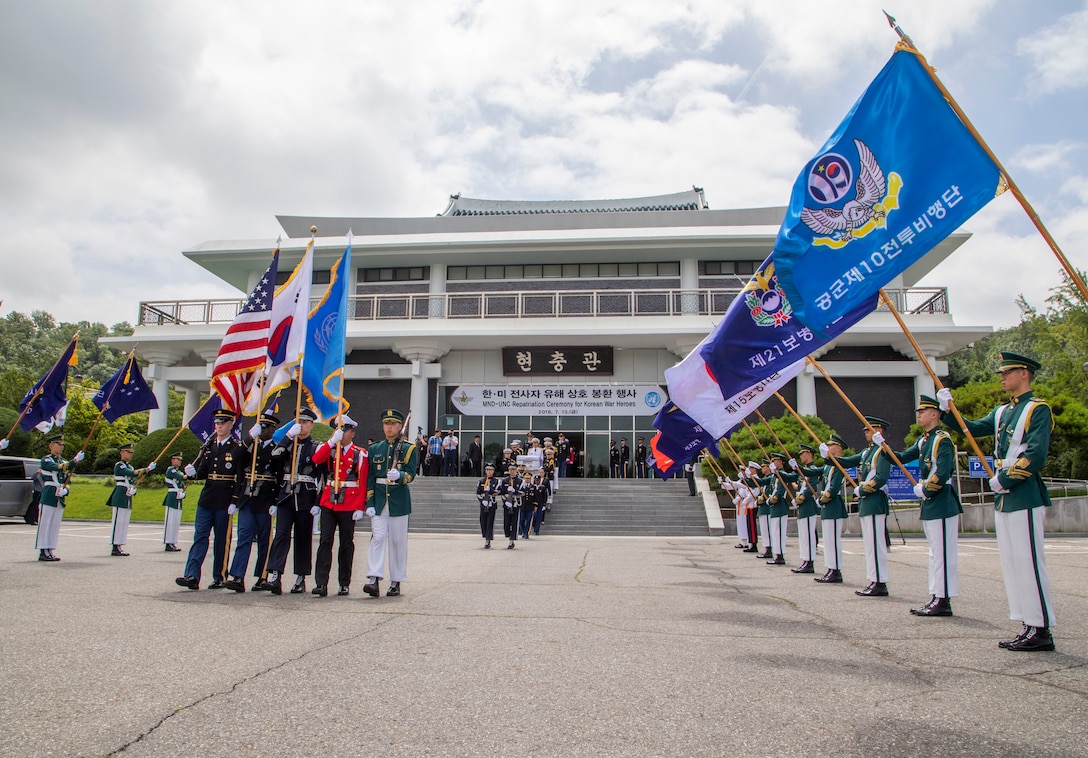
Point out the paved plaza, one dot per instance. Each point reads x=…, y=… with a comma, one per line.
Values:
x=565, y=646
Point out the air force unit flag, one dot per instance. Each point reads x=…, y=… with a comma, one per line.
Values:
x=900, y=174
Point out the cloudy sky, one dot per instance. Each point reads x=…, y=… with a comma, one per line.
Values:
x=131, y=131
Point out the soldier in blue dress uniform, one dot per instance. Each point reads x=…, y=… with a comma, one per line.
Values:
x=258, y=485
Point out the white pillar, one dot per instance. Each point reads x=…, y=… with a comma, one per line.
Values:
x=689, y=285
x=923, y=382
x=436, y=306
x=420, y=353
x=806, y=392
x=156, y=418
x=192, y=404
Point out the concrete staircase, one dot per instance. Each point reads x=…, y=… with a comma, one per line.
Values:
x=647, y=507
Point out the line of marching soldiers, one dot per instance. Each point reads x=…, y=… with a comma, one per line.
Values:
x=764, y=494
x=525, y=498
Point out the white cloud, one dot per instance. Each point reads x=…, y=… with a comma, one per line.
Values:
x=1059, y=53
x=1046, y=158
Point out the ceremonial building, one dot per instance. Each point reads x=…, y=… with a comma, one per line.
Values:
x=500, y=317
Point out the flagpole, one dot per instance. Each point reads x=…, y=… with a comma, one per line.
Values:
x=815, y=437
x=886, y=447
x=184, y=426
x=260, y=410
x=301, y=362
x=777, y=439
x=937, y=382
x=719, y=473
x=767, y=455
x=105, y=405
x=906, y=43
x=34, y=397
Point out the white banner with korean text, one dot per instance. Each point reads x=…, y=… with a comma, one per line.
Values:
x=559, y=399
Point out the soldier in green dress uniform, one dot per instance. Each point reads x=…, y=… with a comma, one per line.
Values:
x=810, y=478
x=175, y=493
x=779, y=501
x=124, y=478
x=832, y=510
x=55, y=472
x=940, y=506
x=393, y=465
x=1021, y=429
x=765, y=482
x=874, y=467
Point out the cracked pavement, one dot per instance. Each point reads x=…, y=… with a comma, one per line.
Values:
x=563, y=646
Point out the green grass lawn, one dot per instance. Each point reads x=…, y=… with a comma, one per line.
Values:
x=87, y=500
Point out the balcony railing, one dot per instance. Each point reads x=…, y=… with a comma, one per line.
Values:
x=522, y=304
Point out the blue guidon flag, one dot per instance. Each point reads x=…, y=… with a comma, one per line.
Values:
x=900, y=174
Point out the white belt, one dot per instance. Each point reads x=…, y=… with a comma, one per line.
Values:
x=121, y=480
x=384, y=481
x=300, y=478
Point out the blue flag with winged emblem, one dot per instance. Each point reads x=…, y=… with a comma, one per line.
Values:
x=125, y=392
x=900, y=174
x=326, y=344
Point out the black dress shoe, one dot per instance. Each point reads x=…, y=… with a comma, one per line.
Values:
x=510, y=546
x=117, y=551
x=779, y=560
x=767, y=554
x=275, y=587
x=941, y=606
x=235, y=584
x=751, y=549
x=53, y=555
x=217, y=585
x=919, y=611
x=320, y=590
x=1017, y=638
x=487, y=545
x=1038, y=639
x=300, y=586
x=190, y=582
x=343, y=590
x=371, y=588
x=394, y=589
x=876, y=589
x=44, y=556
x=262, y=586
x=806, y=567
x=833, y=576
x=740, y=545
x=173, y=549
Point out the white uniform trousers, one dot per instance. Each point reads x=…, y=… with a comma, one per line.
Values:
x=171, y=526
x=778, y=535
x=392, y=532
x=49, y=517
x=806, y=537
x=1023, y=564
x=943, y=535
x=121, y=517
x=833, y=543
x=742, y=526
x=874, y=534
x=764, y=531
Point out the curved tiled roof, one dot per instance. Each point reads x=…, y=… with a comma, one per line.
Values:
x=691, y=200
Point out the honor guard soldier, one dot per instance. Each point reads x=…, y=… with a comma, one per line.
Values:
x=625, y=457
x=614, y=461
x=765, y=481
x=343, y=502
x=874, y=467
x=487, y=492
x=175, y=493
x=832, y=510
x=124, y=479
x=810, y=478
x=562, y=453
x=258, y=485
x=641, y=453
x=511, y=505
x=56, y=473
x=1021, y=428
x=748, y=491
x=393, y=464
x=940, y=506
x=294, y=522
x=218, y=463
x=527, y=498
x=779, y=502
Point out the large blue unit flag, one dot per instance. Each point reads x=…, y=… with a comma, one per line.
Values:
x=326, y=345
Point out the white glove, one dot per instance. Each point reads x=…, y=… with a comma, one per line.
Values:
x=77, y=459
x=824, y=452
x=794, y=502
x=944, y=398
x=130, y=491
x=721, y=482
x=190, y=470
x=729, y=485
x=509, y=489
x=272, y=510
x=62, y=491
x=793, y=463
x=150, y=466
x=857, y=491
x=996, y=487
x=181, y=495
x=294, y=431
x=4, y=444
x=357, y=515
x=918, y=493
x=392, y=475
x=878, y=439
x=232, y=509
x=371, y=512
x=336, y=437
x=255, y=431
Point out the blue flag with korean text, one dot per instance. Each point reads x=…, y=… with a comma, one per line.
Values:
x=326, y=345
x=681, y=439
x=898, y=175
x=125, y=392
x=756, y=349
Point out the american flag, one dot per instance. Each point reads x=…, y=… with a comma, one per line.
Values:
x=245, y=347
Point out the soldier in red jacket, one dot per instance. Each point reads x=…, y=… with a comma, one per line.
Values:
x=343, y=502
